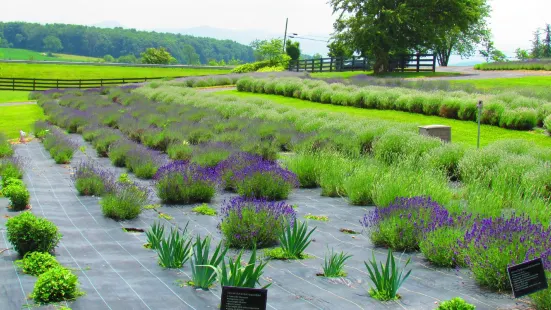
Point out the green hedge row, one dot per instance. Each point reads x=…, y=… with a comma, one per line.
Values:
x=544, y=65
x=512, y=112
x=11, y=174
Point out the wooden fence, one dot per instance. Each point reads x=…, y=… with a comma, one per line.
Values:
x=25, y=84
x=413, y=63
x=338, y=64
x=404, y=63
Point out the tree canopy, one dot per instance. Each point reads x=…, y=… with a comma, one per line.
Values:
x=158, y=56
x=293, y=49
x=52, y=44
x=383, y=28
x=117, y=42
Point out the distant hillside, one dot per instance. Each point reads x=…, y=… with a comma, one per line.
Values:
x=98, y=42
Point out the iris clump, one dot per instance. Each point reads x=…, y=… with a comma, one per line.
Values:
x=185, y=182
x=90, y=180
x=264, y=179
x=249, y=223
x=401, y=225
x=493, y=244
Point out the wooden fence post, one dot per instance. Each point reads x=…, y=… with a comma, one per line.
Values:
x=313, y=62
x=34, y=84
x=331, y=65
x=433, y=62
x=418, y=60
x=12, y=84
x=57, y=84
x=79, y=84
x=321, y=64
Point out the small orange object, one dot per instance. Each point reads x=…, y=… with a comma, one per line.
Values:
x=22, y=135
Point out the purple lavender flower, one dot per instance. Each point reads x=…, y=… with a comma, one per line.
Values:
x=254, y=222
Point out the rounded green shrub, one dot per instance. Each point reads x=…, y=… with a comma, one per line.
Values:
x=359, y=185
x=547, y=123
x=446, y=158
x=522, y=119
x=467, y=111
x=90, y=186
x=179, y=151
x=450, y=107
x=456, y=303
x=56, y=284
x=29, y=233
x=18, y=196
x=491, y=112
x=37, y=263
x=304, y=167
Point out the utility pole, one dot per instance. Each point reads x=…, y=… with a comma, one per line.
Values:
x=285, y=36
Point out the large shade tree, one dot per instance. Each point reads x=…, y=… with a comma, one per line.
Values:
x=382, y=28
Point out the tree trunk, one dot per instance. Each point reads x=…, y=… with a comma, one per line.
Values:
x=381, y=65
x=443, y=57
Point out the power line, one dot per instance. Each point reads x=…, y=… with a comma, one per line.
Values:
x=303, y=38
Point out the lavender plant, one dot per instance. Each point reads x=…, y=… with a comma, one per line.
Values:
x=264, y=179
x=185, y=182
x=143, y=162
x=91, y=180
x=124, y=203
x=401, y=225
x=60, y=146
x=493, y=244
x=249, y=223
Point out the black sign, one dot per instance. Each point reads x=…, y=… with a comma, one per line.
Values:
x=241, y=298
x=527, y=278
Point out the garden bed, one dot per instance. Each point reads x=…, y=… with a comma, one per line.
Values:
x=116, y=271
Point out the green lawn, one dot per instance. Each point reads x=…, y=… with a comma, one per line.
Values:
x=13, y=96
x=49, y=71
x=463, y=132
x=19, y=117
x=350, y=74
x=21, y=54
x=527, y=82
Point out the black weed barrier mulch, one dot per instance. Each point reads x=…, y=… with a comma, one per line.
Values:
x=117, y=272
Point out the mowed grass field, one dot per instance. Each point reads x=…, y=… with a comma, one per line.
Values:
x=75, y=72
x=18, y=117
x=526, y=82
x=351, y=74
x=13, y=96
x=463, y=132
x=21, y=54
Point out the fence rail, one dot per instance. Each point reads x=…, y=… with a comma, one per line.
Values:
x=337, y=64
x=413, y=63
x=403, y=63
x=27, y=84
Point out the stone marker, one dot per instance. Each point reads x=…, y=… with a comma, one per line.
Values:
x=440, y=131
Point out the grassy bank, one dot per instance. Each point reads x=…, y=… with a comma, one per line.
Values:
x=19, y=117
x=49, y=71
x=463, y=132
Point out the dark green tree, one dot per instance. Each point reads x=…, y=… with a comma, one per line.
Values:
x=159, y=56
x=521, y=54
x=490, y=53
x=52, y=44
x=382, y=28
x=547, y=41
x=338, y=48
x=537, y=50
x=108, y=58
x=293, y=49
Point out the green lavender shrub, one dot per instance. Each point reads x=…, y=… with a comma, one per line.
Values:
x=36, y=263
x=55, y=285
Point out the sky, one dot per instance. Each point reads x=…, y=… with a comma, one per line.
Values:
x=512, y=22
